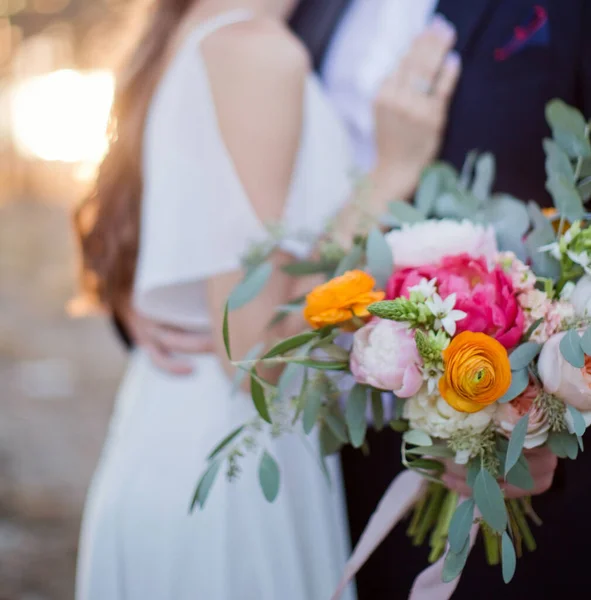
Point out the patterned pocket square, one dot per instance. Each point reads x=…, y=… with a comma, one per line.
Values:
x=534, y=32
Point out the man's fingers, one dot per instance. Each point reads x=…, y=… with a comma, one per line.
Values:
x=448, y=77
x=166, y=362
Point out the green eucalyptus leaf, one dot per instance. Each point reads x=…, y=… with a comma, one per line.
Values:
x=490, y=501
x=427, y=191
x=355, y=414
x=472, y=473
x=250, y=287
x=484, y=176
x=336, y=423
x=454, y=563
x=571, y=350
x=291, y=343
x=586, y=342
x=329, y=443
x=205, y=484
x=377, y=409
x=543, y=263
x=319, y=365
x=519, y=381
x=350, y=261
x=306, y=267
x=467, y=170
x=379, y=257
x=581, y=444
x=520, y=476
x=563, y=444
x=516, y=443
x=401, y=212
x=258, y=397
x=522, y=356
x=226, y=332
x=269, y=477
x=557, y=161
x=242, y=371
x=578, y=422
x=566, y=197
x=315, y=392
x=460, y=525
x=508, y=556
x=416, y=437
x=227, y=440
x=435, y=450
x=568, y=128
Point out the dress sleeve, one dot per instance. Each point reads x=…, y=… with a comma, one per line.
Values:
x=196, y=219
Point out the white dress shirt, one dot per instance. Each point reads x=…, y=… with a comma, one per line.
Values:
x=368, y=45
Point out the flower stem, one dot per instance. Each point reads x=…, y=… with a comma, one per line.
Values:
x=529, y=510
x=522, y=524
x=418, y=512
x=491, y=544
x=436, y=493
x=439, y=534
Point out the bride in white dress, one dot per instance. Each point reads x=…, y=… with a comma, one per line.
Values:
x=220, y=128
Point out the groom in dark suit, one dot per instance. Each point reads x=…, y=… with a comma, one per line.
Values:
x=516, y=55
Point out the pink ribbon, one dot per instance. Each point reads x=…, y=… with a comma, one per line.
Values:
x=400, y=497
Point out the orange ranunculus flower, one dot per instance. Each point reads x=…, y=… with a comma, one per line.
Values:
x=337, y=301
x=550, y=213
x=477, y=372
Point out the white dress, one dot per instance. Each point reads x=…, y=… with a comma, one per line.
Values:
x=138, y=540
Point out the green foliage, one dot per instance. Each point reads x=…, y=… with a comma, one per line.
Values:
x=490, y=501
x=516, y=443
x=355, y=414
x=315, y=392
x=571, y=349
x=404, y=310
x=205, y=484
x=250, y=287
x=417, y=438
x=454, y=563
x=379, y=257
x=563, y=444
x=519, y=381
x=520, y=476
x=509, y=558
x=258, y=397
x=377, y=409
x=269, y=477
x=522, y=356
x=569, y=129
x=578, y=421
x=350, y=261
x=291, y=343
x=461, y=523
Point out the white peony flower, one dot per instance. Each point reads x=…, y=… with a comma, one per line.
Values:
x=432, y=414
x=427, y=242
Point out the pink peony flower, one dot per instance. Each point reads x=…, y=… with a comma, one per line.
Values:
x=560, y=378
x=508, y=414
x=429, y=241
x=487, y=297
x=385, y=356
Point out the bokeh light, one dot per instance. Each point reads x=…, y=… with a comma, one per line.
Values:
x=63, y=116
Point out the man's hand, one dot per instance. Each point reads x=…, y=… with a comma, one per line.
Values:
x=542, y=465
x=163, y=343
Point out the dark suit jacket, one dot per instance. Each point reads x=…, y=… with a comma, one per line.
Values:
x=498, y=107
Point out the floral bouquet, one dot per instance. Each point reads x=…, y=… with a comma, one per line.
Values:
x=469, y=325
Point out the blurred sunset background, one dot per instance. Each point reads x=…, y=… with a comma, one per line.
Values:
x=58, y=375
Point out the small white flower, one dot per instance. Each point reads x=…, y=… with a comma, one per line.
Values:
x=567, y=290
x=425, y=287
x=553, y=249
x=445, y=315
x=582, y=259
x=462, y=457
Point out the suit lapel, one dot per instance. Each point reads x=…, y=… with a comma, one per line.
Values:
x=315, y=24
x=467, y=16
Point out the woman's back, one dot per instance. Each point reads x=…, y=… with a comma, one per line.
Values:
x=200, y=211
x=201, y=181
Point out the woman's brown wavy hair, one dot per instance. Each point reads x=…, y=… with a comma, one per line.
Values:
x=107, y=221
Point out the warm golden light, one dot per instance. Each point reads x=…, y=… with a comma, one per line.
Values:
x=63, y=115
